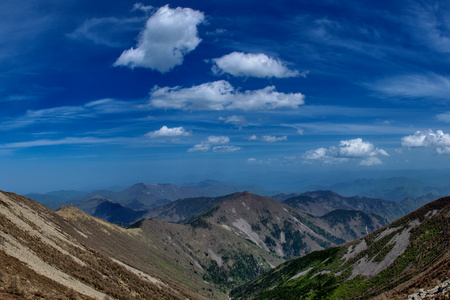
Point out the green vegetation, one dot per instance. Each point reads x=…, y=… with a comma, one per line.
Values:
x=324, y=274
x=237, y=268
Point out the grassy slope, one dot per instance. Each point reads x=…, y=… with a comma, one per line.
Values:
x=327, y=273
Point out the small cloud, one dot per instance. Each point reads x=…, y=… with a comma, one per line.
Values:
x=168, y=35
x=221, y=95
x=238, y=121
x=346, y=150
x=438, y=140
x=226, y=148
x=267, y=138
x=300, y=131
x=142, y=7
x=168, y=132
x=273, y=139
x=216, y=143
x=217, y=32
x=444, y=117
x=253, y=65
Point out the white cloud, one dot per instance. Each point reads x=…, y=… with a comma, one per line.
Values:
x=357, y=148
x=68, y=113
x=238, y=121
x=323, y=154
x=168, y=132
x=142, y=7
x=430, y=25
x=168, y=35
x=267, y=138
x=444, y=117
x=252, y=65
x=214, y=140
x=226, y=148
x=348, y=149
x=414, y=86
x=438, y=140
x=220, y=95
x=216, y=143
x=371, y=161
x=64, y=141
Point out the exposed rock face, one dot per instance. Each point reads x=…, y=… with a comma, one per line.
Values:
x=42, y=255
x=441, y=291
x=393, y=262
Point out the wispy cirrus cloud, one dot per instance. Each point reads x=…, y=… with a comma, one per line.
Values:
x=169, y=34
x=64, y=141
x=413, y=86
x=253, y=65
x=267, y=138
x=68, y=113
x=108, y=31
x=238, y=121
x=430, y=25
x=216, y=144
x=346, y=150
x=221, y=95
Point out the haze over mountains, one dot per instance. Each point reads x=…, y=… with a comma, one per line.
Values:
x=207, y=246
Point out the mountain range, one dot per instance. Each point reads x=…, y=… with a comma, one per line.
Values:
x=409, y=254
x=319, y=203
x=205, y=247
x=392, y=188
x=238, y=237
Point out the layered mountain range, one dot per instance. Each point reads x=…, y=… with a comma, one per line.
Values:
x=205, y=247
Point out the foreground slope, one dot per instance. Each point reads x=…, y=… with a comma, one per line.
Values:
x=140, y=249
x=410, y=253
x=42, y=256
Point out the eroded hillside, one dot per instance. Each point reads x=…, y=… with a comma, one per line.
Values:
x=43, y=256
x=410, y=253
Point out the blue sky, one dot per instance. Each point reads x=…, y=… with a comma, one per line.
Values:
x=116, y=92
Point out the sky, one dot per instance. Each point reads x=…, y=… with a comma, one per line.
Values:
x=103, y=93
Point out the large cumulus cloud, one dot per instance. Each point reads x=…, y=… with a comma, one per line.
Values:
x=169, y=34
x=221, y=95
x=346, y=150
x=438, y=140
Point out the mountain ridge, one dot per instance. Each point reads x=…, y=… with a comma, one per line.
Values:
x=391, y=261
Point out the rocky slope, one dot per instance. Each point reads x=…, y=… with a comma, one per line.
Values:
x=394, y=261
x=44, y=256
x=271, y=225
